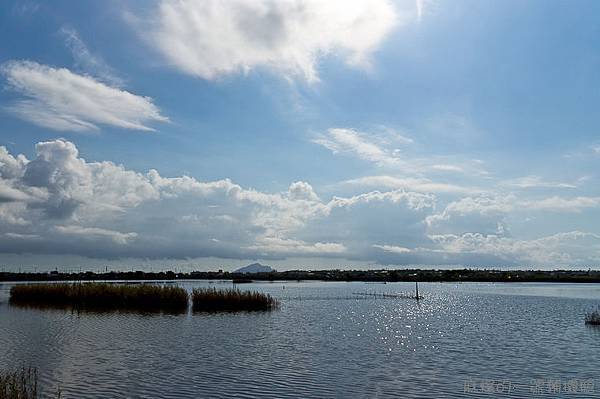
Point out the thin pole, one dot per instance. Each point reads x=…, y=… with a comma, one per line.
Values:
x=417, y=289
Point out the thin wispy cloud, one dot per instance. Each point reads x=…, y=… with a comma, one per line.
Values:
x=419, y=6
x=358, y=144
x=86, y=61
x=424, y=8
x=59, y=99
x=391, y=151
x=25, y=8
x=392, y=248
x=422, y=185
x=533, y=181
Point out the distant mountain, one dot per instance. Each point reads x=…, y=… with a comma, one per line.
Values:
x=255, y=268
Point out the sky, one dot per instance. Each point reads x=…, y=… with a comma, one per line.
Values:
x=304, y=134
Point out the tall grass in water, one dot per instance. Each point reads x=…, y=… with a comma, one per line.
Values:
x=20, y=384
x=211, y=300
x=593, y=317
x=101, y=296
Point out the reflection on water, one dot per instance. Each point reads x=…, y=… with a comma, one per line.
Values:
x=322, y=343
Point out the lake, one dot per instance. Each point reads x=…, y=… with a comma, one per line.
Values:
x=470, y=339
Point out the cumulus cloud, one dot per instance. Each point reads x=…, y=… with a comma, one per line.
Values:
x=573, y=247
x=69, y=204
x=374, y=217
x=210, y=38
x=78, y=203
x=488, y=214
x=9, y=194
x=60, y=203
x=11, y=167
x=503, y=204
x=302, y=191
x=59, y=99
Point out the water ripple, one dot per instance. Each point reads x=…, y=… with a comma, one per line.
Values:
x=323, y=343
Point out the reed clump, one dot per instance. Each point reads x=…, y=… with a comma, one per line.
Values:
x=101, y=296
x=21, y=384
x=593, y=317
x=232, y=299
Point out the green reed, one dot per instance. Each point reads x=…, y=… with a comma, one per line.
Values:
x=211, y=300
x=21, y=384
x=101, y=296
x=593, y=317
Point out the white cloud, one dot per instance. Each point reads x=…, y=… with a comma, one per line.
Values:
x=421, y=185
x=392, y=248
x=302, y=191
x=415, y=201
x=22, y=236
x=425, y=7
x=500, y=205
x=11, y=167
x=562, y=249
x=13, y=214
x=58, y=194
x=289, y=247
x=481, y=214
x=11, y=194
x=79, y=203
x=62, y=100
x=535, y=182
x=59, y=203
x=419, y=6
x=447, y=168
x=86, y=60
x=488, y=215
x=559, y=204
x=478, y=205
x=94, y=232
x=358, y=144
x=211, y=38
x=389, y=150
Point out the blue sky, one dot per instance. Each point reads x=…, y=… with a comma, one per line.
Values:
x=299, y=133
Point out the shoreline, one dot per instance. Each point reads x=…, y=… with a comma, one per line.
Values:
x=377, y=276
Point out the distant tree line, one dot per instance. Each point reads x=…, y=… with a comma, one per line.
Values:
x=450, y=275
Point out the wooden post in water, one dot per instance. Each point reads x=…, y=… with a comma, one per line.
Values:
x=417, y=289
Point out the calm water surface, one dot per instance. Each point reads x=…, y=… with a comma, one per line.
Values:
x=324, y=342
